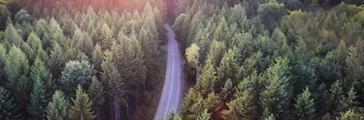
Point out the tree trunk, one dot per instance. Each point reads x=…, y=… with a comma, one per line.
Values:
x=116, y=111
x=127, y=109
x=98, y=112
x=136, y=98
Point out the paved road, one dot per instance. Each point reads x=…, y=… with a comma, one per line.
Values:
x=172, y=84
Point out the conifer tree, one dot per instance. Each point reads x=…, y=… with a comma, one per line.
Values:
x=7, y=105
x=3, y=55
x=105, y=37
x=97, y=94
x=38, y=71
x=16, y=70
x=36, y=108
x=276, y=96
x=58, y=109
x=97, y=57
x=227, y=69
x=82, y=106
x=12, y=36
x=304, y=107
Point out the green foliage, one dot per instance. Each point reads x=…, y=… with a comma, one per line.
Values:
x=16, y=70
x=227, y=70
x=2, y=64
x=349, y=115
x=38, y=102
x=96, y=91
x=8, y=108
x=38, y=71
x=271, y=14
x=74, y=73
x=82, y=106
x=12, y=36
x=275, y=97
x=304, y=107
x=58, y=109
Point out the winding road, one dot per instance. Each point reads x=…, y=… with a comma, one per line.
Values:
x=171, y=94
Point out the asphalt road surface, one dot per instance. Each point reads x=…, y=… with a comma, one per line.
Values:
x=171, y=94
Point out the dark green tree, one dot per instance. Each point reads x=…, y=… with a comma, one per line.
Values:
x=38, y=102
x=58, y=109
x=304, y=107
x=82, y=106
x=227, y=69
x=270, y=14
x=275, y=98
x=3, y=55
x=74, y=73
x=97, y=94
x=8, y=108
x=16, y=70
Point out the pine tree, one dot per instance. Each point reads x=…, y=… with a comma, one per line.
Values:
x=277, y=94
x=112, y=78
x=226, y=70
x=57, y=60
x=241, y=108
x=97, y=94
x=58, y=109
x=82, y=106
x=304, y=107
x=149, y=43
x=97, y=57
x=8, y=108
x=336, y=93
x=12, y=36
x=38, y=71
x=2, y=64
x=36, y=108
x=204, y=115
x=105, y=37
x=349, y=101
x=349, y=115
x=127, y=53
x=187, y=110
x=207, y=78
x=16, y=70
x=34, y=41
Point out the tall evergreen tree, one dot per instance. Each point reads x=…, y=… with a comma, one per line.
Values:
x=304, y=107
x=16, y=70
x=3, y=55
x=8, y=108
x=82, y=106
x=38, y=71
x=276, y=96
x=97, y=94
x=105, y=37
x=227, y=70
x=38, y=102
x=58, y=109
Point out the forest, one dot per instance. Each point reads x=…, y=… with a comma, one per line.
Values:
x=77, y=60
x=245, y=59
x=272, y=59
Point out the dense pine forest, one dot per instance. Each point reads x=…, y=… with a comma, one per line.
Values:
x=245, y=59
x=272, y=59
x=78, y=59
